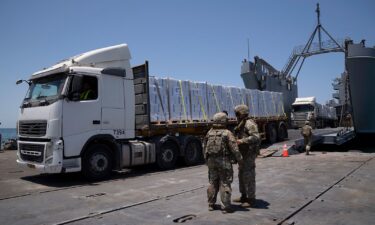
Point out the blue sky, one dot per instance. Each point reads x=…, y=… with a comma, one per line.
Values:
x=195, y=40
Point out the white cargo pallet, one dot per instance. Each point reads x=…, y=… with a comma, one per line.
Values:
x=179, y=100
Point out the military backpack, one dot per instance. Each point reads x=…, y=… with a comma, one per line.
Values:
x=215, y=142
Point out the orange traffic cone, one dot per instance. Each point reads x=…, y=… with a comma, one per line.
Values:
x=285, y=151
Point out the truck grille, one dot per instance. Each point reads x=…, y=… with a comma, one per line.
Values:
x=33, y=128
x=300, y=116
x=32, y=152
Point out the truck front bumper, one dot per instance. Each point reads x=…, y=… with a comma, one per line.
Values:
x=45, y=157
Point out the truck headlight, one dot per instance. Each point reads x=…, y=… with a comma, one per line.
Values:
x=308, y=116
x=49, y=150
x=51, y=147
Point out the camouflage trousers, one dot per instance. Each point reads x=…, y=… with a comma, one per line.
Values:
x=307, y=143
x=220, y=176
x=246, y=177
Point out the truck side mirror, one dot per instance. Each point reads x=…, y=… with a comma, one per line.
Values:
x=20, y=81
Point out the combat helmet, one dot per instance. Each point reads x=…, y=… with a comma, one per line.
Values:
x=307, y=122
x=241, y=110
x=220, y=118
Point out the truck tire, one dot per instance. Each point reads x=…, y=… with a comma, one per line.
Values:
x=193, y=152
x=271, y=133
x=167, y=156
x=282, y=133
x=97, y=162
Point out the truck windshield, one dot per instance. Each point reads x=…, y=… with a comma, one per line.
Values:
x=302, y=108
x=46, y=89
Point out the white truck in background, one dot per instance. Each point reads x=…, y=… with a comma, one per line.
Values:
x=307, y=109
x=62, y=130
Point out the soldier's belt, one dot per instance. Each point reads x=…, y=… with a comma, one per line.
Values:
x=218, y=155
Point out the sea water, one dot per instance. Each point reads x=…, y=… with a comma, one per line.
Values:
x=7, y=133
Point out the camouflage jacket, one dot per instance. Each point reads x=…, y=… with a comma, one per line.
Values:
x=228, y=148
x=247, y=133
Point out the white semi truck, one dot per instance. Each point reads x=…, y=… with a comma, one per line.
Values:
x=91, y=113
x=307, y=109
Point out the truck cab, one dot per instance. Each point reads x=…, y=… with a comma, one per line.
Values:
x=307, y=109
x=58, y=120
x=303, y=109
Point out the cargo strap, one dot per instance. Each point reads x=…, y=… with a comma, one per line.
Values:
x=201, y=104
x=264, y=104
x=161, y=102
x=282, y=107
x=274, y=103
x=216, y=101
x=231, y=98
x=182, y=99
x=242, y=99
x=252, y=103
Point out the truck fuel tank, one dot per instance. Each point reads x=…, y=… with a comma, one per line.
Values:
x=137, y=153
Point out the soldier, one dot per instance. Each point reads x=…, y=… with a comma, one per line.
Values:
x=348, y=121
x=248, y=140
x=219, y=148
x=306, y=132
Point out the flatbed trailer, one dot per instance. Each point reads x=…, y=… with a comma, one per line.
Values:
x=271, y=129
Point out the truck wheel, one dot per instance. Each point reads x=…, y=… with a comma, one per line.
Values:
x=282, y=133
x=97, y=162
x=167, y=156
x=193, y=152
x=271, y=133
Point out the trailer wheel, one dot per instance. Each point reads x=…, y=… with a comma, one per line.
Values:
x=271, y=133
x=167, y=156
x=282, y=133
x=97, y=162
x=193, y=152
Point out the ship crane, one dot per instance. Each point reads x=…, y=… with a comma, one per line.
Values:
x=300, y=53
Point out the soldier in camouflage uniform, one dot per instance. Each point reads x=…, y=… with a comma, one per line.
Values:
x=306, y=132
x=248, y=140
x=219, y=149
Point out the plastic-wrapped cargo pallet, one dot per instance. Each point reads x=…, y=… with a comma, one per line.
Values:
x=176, y=100
x=198, y=93
x=158, y=89
x=179, y=100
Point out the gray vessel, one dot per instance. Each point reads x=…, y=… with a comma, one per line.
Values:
x=360, y=64
x=262, y=76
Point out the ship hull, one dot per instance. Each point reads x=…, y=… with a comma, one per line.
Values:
x=360, y=64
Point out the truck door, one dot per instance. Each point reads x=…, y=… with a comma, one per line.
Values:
x=81, y=113
x=113, y=105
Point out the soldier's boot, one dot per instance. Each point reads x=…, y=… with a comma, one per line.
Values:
x=308, y=150
x=211, y=207
x=227, y=209
x=249, y=203
x=240, y=199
